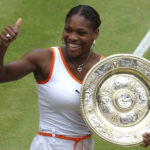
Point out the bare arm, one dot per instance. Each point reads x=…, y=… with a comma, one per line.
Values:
x=18, y=69
x=5, y=41
x=34, y=61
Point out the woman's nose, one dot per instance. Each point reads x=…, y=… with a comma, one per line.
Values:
x=73, y=36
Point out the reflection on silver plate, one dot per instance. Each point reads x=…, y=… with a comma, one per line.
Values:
x=115, y=99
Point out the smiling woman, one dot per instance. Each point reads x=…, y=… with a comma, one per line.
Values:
x=80, y=32
x=79, y=35
x=59, y=72
x=58, y=79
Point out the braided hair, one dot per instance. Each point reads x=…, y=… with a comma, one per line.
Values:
x=88, y=12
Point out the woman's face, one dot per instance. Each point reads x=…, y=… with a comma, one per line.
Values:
x=78, y=35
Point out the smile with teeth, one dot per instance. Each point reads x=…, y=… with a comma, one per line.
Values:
x=74, y=45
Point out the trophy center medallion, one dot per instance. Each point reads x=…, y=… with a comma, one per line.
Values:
x=123, y=99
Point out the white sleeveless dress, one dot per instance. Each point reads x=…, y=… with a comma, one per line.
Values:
x=59, y=109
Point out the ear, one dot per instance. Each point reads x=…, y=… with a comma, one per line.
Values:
x=96, y=33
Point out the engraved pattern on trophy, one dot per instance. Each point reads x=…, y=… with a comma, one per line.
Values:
x=126, y=96
x=115, y=99
x=88, y=100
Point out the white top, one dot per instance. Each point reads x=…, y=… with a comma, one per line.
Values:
x=59, y=106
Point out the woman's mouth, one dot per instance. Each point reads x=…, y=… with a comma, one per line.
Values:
x=74, y=47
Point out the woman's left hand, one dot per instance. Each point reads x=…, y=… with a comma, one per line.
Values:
x=146, y=139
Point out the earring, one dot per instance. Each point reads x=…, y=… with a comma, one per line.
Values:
x=63, y=42
x=93, y=44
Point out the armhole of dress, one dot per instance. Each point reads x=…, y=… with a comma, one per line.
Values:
x=51, y=68
x=101, y=57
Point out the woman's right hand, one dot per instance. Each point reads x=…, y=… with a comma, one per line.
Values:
x=9, y=34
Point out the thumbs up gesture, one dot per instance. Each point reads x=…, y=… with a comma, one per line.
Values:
x=9, y=34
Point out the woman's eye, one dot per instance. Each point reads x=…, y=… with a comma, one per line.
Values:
x=82, y=33
x=67, y=30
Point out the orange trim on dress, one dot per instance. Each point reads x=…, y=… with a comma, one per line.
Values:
x=75, y=139
x=102, y=57
x=51, y=68
x=65, y=64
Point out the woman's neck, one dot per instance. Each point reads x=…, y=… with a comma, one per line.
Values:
x=78, y=60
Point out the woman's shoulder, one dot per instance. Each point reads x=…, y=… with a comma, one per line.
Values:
x=40, y=50
x=98, y=56
x=38, y=54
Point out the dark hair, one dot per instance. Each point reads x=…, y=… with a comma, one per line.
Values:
x=86, y=11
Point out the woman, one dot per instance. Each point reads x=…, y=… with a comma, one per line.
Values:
x=59, y=72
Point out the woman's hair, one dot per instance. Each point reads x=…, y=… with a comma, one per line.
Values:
x=88, y=12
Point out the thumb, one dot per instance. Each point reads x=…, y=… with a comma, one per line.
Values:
x=18, y=23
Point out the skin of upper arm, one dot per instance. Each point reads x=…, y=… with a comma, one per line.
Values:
x=15, y=70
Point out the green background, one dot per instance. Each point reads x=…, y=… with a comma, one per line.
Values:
x=124, y=24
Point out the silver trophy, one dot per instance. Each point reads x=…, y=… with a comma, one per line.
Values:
x=115, y=99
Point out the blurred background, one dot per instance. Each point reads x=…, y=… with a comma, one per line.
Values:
x=124, y=25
